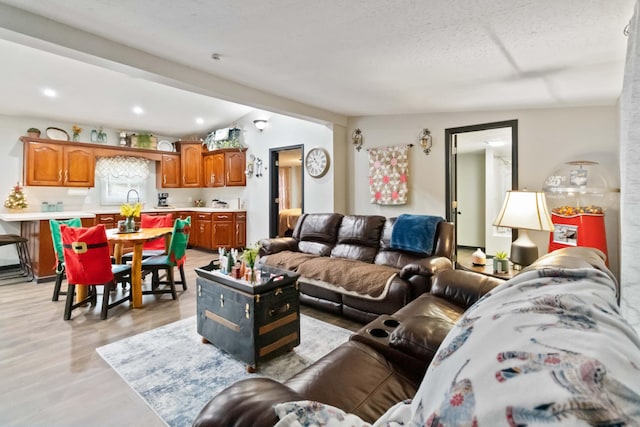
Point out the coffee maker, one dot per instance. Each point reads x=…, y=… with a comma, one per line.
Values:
x=162, y=200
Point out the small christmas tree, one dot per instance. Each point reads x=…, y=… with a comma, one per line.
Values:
x=16, y=199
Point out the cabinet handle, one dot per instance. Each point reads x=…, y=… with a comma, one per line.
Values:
x=60, y=175
x=222, y=217
x=66, y=176
x=164, y=179
x=227, y=176
x=183, y=180
x=211, y=178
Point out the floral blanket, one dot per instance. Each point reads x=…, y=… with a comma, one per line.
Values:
x=547, y=348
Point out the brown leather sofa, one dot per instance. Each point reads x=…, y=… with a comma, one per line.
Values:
x=382, y=364
x=357, y=241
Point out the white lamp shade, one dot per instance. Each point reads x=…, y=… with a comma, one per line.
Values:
x=524, y=209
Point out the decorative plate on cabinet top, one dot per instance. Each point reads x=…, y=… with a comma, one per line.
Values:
x=165, y=146
x=57, y=133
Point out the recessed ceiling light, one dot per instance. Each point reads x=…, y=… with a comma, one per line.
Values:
x=199, y=120
x=138, y=110
x=50, y=93
x=215, y=56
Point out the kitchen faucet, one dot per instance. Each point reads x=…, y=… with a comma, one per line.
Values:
x=137, y=195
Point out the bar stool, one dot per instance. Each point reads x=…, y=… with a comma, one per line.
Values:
x=25, y=270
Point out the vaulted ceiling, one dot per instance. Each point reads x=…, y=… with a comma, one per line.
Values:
x=324, y=59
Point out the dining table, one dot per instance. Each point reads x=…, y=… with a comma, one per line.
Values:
x=138, y=239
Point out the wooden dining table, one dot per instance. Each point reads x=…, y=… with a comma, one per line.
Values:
x=138, y=239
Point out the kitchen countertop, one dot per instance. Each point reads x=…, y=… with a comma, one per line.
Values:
x=91, y=213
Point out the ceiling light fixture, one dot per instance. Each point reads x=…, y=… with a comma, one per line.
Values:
x=137, y=110
x=199, y=120
x=495, y=143
x=260, y=124
x=49, y=93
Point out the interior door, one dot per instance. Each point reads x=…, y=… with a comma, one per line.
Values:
x=285, y=159
x=481, y=166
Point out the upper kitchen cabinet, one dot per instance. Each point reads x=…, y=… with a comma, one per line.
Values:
x=60, y=165
x=168, y=171
x=213, y=169
x=224, y=167
x=191, y=163
x=234, y=168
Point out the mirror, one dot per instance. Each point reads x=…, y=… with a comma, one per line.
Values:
x=482, y=164
x=286, y=179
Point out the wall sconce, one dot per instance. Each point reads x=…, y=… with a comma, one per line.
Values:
x=425, y=141
x=356, y=136
x=260, y=124
x=249, y=170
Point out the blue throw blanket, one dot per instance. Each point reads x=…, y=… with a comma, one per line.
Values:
x=414, y=233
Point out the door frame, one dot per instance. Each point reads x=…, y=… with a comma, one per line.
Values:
x=274, y=187
x=451, y=166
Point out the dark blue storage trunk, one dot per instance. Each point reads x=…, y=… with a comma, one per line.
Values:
x=250, y=322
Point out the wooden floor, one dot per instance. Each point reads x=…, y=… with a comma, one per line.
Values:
x=50, y=373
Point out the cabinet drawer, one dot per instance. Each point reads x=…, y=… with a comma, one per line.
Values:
x=241, y=216
x=204, y=216
x=227, y=216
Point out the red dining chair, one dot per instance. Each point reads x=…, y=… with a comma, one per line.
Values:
x=153, y=247
x=88, y=263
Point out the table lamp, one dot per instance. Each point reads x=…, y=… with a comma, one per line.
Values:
x=524, y=210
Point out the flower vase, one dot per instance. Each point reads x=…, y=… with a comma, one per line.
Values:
x=76, y=137
x=130, y=224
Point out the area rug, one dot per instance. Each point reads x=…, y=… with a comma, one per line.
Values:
x=176, y=374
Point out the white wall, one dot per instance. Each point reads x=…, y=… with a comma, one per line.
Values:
x=546, y=139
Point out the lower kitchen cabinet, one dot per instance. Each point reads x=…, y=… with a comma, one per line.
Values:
x=223, y=230
x=240, y=225
x=201, y=230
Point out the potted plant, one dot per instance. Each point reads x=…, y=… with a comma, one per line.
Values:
x=144, y=140
x=33, y=132
x=500, y=262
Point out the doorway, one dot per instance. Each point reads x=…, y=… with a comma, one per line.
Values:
x=286, y=189
x=481, y=165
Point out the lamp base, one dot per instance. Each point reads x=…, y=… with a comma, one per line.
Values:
x=523, y=250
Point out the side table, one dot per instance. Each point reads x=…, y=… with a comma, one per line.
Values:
x=487, y=269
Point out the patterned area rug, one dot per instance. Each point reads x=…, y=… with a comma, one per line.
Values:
x=176, y=374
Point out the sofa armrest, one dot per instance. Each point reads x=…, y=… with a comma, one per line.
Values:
x=248, y=402
x=278, y=244
x=462, y=288
x=425, y=267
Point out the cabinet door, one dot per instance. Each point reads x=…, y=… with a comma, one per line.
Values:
x=168, y=172
x=235, y=167
x=79, y=167
x=240, y=236
x=44, y=164
x=223, y=230
x=191, y=164
x=213, y=170
x=203, y=231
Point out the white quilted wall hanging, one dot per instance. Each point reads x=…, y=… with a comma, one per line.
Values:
x=388, y=175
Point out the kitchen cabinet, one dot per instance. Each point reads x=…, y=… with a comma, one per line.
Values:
x=240, y=226
x=213, y=169
x=51, y=164
x=202, y=230
x=234, y=168
x=223, y=230
x=43, y=256
x=224, y=167
x=168, y=171
x=191, y=163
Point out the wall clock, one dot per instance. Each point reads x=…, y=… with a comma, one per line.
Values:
x=317, y=162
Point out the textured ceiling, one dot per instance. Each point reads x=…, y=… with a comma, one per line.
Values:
x=369, y=57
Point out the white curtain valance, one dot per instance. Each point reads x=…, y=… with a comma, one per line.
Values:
x=122, y=167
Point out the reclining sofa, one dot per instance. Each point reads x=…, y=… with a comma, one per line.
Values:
x=351, y=265
x=546, y=347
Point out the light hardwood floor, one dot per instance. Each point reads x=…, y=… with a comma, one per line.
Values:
x=50, y=373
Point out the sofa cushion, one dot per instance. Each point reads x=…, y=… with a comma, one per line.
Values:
x=359, y=237
x=286, y=260
x=462, y=288
x=420, y=336
x=318, y=232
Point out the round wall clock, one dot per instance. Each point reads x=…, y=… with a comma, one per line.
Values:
x=317, y=162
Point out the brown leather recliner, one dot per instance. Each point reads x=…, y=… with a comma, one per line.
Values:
x=382, y=364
